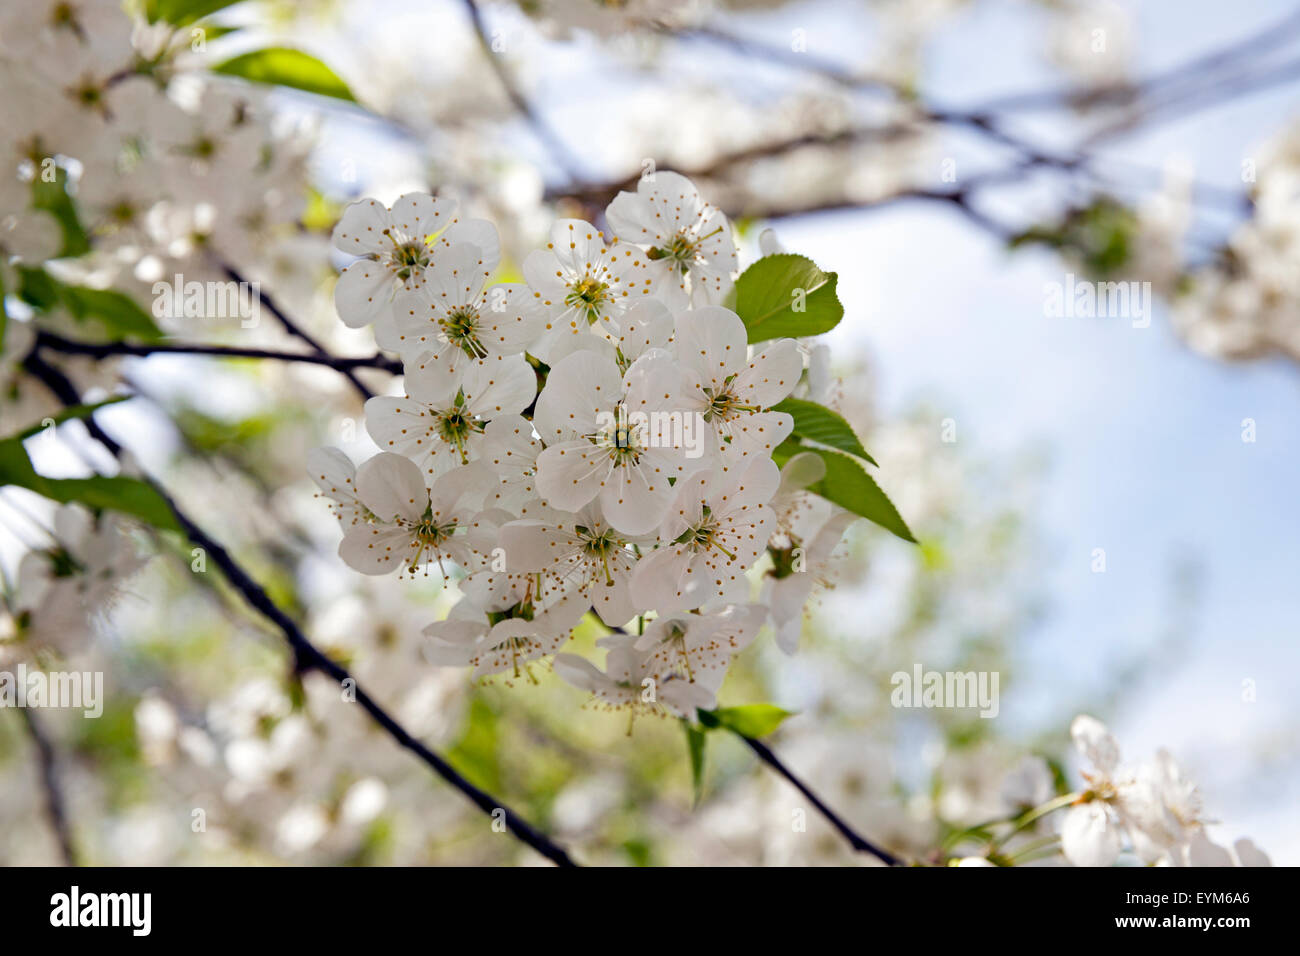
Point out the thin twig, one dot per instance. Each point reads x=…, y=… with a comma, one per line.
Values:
x=540, y=127
x=765, y=754
x=856, y=840
x=297, y=331
x=55, y=805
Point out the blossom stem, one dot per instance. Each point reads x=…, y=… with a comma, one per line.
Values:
x=307, y=656
x=1030, y=817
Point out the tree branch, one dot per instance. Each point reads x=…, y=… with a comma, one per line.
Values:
x=307, y=656
x=856, y=840
x=55, y=806
x=297, y=332
x=57, y=343
x=540, y=127
x=765, y=754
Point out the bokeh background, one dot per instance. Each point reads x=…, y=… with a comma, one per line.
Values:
x=928, y=152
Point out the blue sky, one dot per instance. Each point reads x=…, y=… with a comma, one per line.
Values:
x=1148, y=460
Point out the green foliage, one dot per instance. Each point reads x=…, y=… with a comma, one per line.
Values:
x=819, y=424
x=786, y=296
x=183, y=12
x=129, y=496
x=120, y=316
x=477, y=753
x=67, y=415
x=1100, y=234
x=53, y=198
x=284, y=66
x=848, y=485
x=748, y=720
x=695, y=743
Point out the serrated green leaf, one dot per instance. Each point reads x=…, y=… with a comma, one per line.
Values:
x=848, y=485
x=786, y=295
x=69, y=413
x=283, y=66
x=695, y=743
x=129, y=496
x=748, y=720
x=818, y=423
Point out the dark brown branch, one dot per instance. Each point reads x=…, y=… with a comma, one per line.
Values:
x=856, y=840
x=55, y=805
x=57, y=343
x=299, y=333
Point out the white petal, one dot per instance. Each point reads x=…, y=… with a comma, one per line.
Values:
x=771, y=375
x=1094, y=741
x=360, y=231
x=392, y=486
x=570, y=474
x=1088, y=836
x=363, y=291
x=712, y=343
x=374, y=549
x=499, y=385
x=577, y=390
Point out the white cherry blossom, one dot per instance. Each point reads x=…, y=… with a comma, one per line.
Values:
x=453, y=311
x=440, y=425
x=411, y=525
x=604, y=442
x=732, y=392
x=583, y=287
x=688, y=241
x=395, y=247
x=713, y=533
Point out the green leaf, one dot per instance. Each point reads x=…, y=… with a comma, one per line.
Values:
x=848, y=485
x=695, y=741
x=130, y=496
x=282, y=66
x=120, y=315
x=53, y=198
x=69, y=413
x=748, y=720
x=786, y=296
x=182, y=12
x=820, y=424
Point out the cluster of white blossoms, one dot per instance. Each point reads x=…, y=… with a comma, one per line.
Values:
x=1153, y=809
x=598, y=438
x=170, y=169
